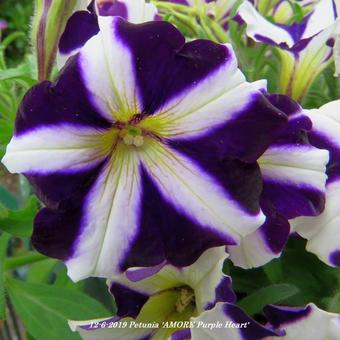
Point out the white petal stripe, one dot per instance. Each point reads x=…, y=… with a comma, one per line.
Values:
x=55, y=148
x=295, y=165
x=111, y=218
x=196, y=194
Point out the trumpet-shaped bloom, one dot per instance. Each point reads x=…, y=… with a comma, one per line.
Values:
x=308, y=322
x=143, y=150
x=305, y=47
x=83, y=24
x=323, y=232
x=191, y=296
x=294, y=179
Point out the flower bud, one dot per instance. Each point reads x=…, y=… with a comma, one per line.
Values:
x=48, y=24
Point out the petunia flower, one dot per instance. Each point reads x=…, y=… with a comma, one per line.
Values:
x=143, y=150
x=308, y=322
x=83, y=24
x=305, y=47
x=294, y=182
x=177, y=302
x=323, y=232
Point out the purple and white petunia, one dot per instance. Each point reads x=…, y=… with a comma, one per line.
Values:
x=154, y=161
x=83, y=24
x=323, y=232
x=308, y=322
x=176, y=303
x=305, y=47
x=294, y=181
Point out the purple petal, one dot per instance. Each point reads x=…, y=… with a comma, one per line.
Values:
x=179, y=65
x=64, y=101
x=79, y=29
x=167, y=235
x=285, y=185
x=113, y=8
x=129, y=302
x=278, y=316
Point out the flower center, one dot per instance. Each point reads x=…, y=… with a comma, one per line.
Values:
x=132, y=135
x=185, y=298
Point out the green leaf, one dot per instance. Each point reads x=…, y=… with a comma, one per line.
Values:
x=39, y=272
x=45, y=309
x=20, y=222
x=333, y=304
x=276, y=293
x=273, y=270
x=7, y=199
x=3, y=250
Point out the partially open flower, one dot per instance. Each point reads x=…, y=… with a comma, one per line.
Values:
x=177, y=303
x=305, y=47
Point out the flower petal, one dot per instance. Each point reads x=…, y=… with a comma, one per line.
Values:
x=135, y=11
x=84, y=24
x=112, y=204
x=323, y=232
x=65, y=101
x=236, y=325
x=308, y=322
x=260, y=29
x=322, y=16
x=297, y=172
x=197, y=194
x=205, y=277
x=81, y=26
x=294, y=171
x=116, y=92
x=60, y=148
x=264, y=244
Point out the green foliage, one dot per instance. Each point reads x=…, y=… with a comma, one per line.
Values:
x=20, y=222
x=18, y=16
x=45, y=309
x=4, y=238
x=277, y=293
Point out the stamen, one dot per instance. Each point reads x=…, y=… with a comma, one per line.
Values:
x=186, y=296
x=132, y=135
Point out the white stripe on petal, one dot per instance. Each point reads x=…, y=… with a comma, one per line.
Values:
x=111, y=218
x=108, y=74
x=212, y=102
x=323, y=16
x=139, y=11
x=326, y=120
x=257, y=26
x=194, y=193
x=299, y=165
x=322, y=232
x=252, y=251
x=55, y=148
